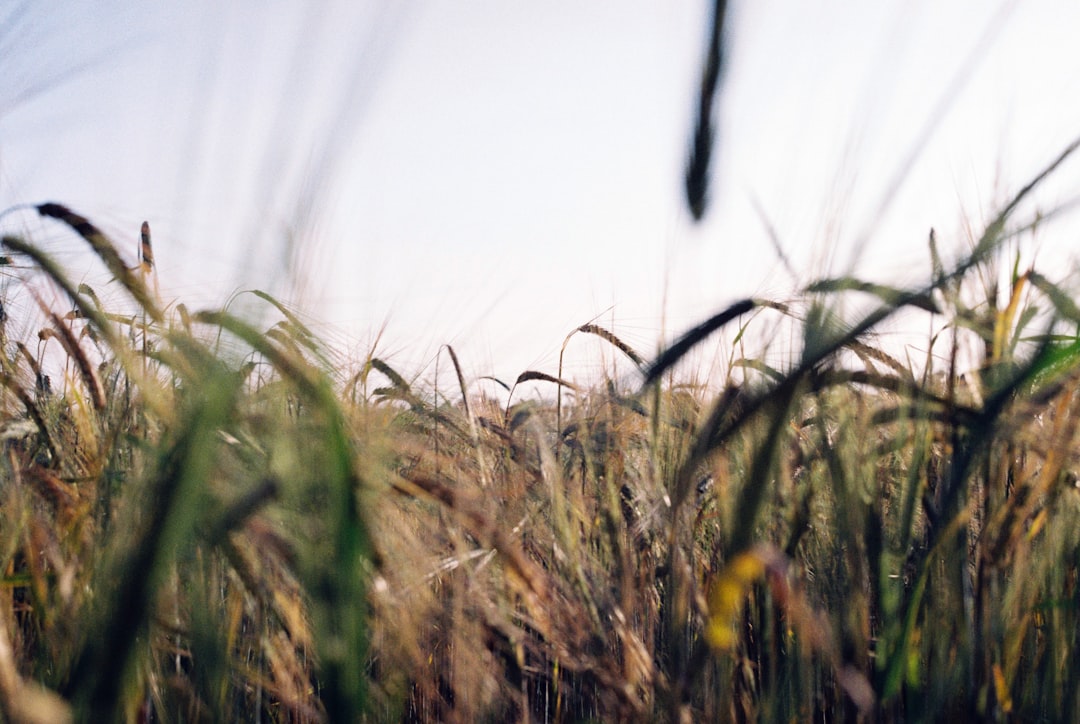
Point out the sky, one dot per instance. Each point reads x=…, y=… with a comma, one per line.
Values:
x=491, y=175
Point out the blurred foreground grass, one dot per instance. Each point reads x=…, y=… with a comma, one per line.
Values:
x=201, y=520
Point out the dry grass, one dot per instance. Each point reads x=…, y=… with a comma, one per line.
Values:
x=201, y=520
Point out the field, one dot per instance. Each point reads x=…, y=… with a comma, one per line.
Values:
x=205, y=520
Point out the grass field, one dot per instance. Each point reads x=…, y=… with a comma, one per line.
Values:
x=202, y=520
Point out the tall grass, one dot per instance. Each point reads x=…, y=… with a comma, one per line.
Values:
x=206, y=520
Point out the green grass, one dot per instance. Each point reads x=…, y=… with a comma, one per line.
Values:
x=201, y=520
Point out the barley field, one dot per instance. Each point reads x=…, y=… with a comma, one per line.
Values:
x=207, y=520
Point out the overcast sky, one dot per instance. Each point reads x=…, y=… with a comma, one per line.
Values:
x=493, y=174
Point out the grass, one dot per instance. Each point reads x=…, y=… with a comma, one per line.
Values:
x=202, y=520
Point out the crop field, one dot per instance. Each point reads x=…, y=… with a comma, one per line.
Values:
x=202, y=519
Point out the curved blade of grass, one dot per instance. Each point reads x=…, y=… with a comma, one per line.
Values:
x=1059, y=360
x=293, y=319
x=497, y=381
x=87, y=308
x=298, y=329
x=890, y=295
x=994, y=233
x=724, y=421
x=759, y=366
x=684, y=344
x=54, y=272
x=105, y=251
x=1061, y=299
x=721, y=425
x=337, y=583
x=103, y=664
x=697, y=167
x=86, y=370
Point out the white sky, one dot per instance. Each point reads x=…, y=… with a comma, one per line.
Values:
x=494, y=174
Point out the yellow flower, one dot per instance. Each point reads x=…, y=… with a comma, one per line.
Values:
x=726, y=596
